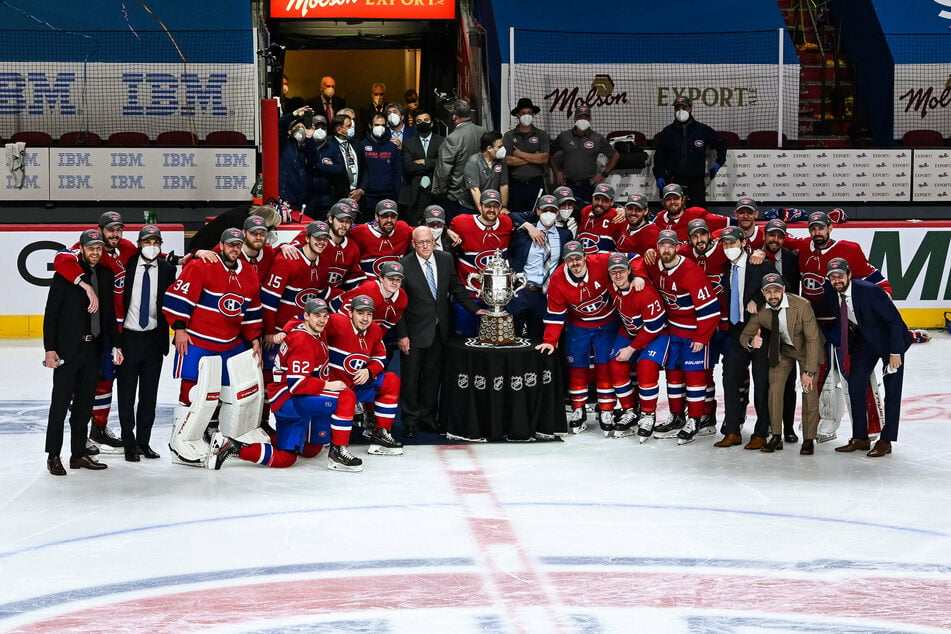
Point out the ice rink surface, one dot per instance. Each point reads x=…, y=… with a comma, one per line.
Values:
x=588, y=535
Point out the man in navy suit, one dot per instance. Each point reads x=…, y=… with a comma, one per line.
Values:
x=872, y=330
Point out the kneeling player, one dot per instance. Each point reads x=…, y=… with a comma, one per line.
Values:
x=309, y=408
x=643, y=340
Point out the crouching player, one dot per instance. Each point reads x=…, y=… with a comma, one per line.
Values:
x=642, y=340
x=310, y=409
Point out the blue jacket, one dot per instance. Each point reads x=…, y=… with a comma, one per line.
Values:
x=681, y=150
x=878, y=320
x=383, y=175
x=521, y=244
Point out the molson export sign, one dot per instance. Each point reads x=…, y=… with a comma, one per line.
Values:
x=367, y=9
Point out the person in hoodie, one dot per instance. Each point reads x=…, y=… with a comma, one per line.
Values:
x=383, y=175
x=328, y=169
x=298, y=156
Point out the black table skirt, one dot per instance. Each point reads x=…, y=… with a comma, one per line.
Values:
x=501, y=393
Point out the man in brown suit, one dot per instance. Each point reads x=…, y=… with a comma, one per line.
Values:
x=794, y=335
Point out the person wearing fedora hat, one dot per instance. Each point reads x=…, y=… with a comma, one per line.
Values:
x=526, y=154
x=574, y=156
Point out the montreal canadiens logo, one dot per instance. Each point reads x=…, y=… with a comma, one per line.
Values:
x=533, y=139
x=812, y=284
x=334, y=276
x=593, y=305
x=305, y=296
x=354, y=363
x=378, y=265
x=698, y=142
x=230, y=304
x=669, y=298
x=589, y=145
x=589, y=241
x=368, y=148
x=497, y=168
x=482, y=260
x=119, y=282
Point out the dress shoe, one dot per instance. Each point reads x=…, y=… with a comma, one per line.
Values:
x=131, y=453
x=855, y=444
x=55, y=466
x=775, y=443
x=145, y=450
x=881, y=448
x=807, y=447
x=85, y=462
x=409, y=432
x=756, y=442
x=791, y=437
x=729, y=440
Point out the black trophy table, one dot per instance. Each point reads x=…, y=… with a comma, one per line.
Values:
x=501, y=392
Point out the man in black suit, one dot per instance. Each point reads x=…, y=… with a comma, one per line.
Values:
x=871, y=330
x=327, y=102
x=145, y=341
x=419, y=162
x=73, y=337
x=422, y=332
x=742, y=281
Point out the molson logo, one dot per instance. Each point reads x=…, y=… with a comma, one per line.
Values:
x=600, y=95
x=922, y=100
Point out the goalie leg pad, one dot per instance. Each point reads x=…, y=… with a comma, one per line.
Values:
x=188, y=428
x=242, y=400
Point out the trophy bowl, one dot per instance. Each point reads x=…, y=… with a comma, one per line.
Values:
x=499, y=284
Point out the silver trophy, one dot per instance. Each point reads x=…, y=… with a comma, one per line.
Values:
x=498, y=285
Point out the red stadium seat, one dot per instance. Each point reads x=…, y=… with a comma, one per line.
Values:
x=82, y=137
x=730, y=139
x=128, y=139
x=922, y=138
x=763, y=139
x=226, y=138
x=177, y=138
x=34, y=139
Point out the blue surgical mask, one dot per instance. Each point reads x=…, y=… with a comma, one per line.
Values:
x=350, y=133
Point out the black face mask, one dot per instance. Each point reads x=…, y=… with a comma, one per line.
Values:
x=424, y=127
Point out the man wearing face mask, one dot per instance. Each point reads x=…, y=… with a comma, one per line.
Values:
x=448, y=177
x=434, y=217
x=487, y=170
x=419, y=163
x=399, y=131
x=681, y=155
x=328, y=103
x=376, y=106
x=574, y=156
x=567, y=214
x=384, y=166
x=328, y=169
x=526, y=155
x=348, y=184
x=298, y=158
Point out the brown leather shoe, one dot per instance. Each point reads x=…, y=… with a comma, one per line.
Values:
x=55, y=466
x=729, y=441
x=85, y=462
x=756, y=442
x=775, y=443
x=881, y=448
x=807, y=447
x=855, y=444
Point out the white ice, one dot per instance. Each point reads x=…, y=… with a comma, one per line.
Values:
x=588, y=535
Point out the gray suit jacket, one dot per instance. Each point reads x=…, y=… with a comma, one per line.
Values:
x=461, y=143
x=808, y=343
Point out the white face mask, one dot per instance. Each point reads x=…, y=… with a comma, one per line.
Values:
x=320, y=134
x=350, y=132
x=582, y=124
x=299, y=135
x=394, y=119
x=151, y=252
x=378, y=130
x=500, y=153
x=564, y=214
x=526, y=120
x=682, y=115
x=548, y=218
x=733, y=252
x=437, y=232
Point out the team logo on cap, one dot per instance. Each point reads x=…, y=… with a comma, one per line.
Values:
x=150, y=229
x=230, y=304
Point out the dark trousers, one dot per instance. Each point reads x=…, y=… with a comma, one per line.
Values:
x=695, y=190
x=735, y=363
x=864, y=361
x=141, y=370
x=789, y=404
x=528, y=311
x=420, y=373
x=414, y=214
x=582, y=189
x=74, y=381
x=523, y=194
x=453, y=209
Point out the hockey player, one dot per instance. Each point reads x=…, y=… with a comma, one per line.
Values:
x=638, y=235
x=601, y=222
x=256, y=252
x=675, y=216
x=692, y=316
x=310, y=409
x=642, y=340
x=385, y=240
x=389, y=300
x=745, y=214
x=357, y=358
x=340, y=264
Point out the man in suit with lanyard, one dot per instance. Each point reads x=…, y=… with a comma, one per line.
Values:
x=422, y=332
x=145, y=339
x=419, y=163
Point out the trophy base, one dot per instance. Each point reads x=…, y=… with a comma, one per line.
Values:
x=497, y=330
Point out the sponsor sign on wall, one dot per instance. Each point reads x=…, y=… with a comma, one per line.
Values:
x=922, y=98
x=932, y=175
x=369, y=9
x=123, y=174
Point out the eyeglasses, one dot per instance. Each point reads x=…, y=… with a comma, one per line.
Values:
x=424, y=243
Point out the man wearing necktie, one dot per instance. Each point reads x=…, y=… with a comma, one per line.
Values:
x=741, y=292
x=145, y=339
x=872, y=330
x=793, y=335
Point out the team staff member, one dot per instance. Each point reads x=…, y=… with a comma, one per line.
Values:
x=73, y=336
x=144, y=340
x=448, y=177
x=681, y=153
x=419, y=164
x=526, y=154
x=574, y=156
x=487, y=170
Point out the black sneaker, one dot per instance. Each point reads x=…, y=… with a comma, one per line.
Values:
x=104, y=436
x=340, y=459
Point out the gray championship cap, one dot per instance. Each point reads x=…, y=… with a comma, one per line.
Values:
x=547, y=202
x=667, y=235
x=150, y=231
x=361, y=302
x=573, y=247
x=746, y=203
x=819, y=218
x=563, y=194
x=318, y=229
x=232, y=235
x=392, y=269
x=776, y=225
x=490, y=196
x=255, y=223
x=636, y=200
x=316, y=305
x=341, y=210
x=90, y=236
x=673, y=189
x=618, y=261
x=772, y=279
x=732, y=233
x=604, y=189
x=838, y=265
x=386, y=207
x=697, y=224
x=682, y=102
x=434, y=213
x=110, y=219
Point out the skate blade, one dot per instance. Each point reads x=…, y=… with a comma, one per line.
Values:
x=336, y=466
x=578, y=429
x=685, y=441
x=705, y=431
x=108, y=450
x=379, y=450
x=643, y=439
x=821, y=438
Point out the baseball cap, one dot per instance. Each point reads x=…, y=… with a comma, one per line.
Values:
x=316, y=305
x=547, y=202
x=772, y=279
x=391, y=269
x=490, y=196
x=319, y=229
x=91, y=236
x=776, y=225
x=254, y=223
x=386, y=207
x=341, y=210
x=564, y=194
x=350, y=202
x=682, y=102
x=582, y=112
x=638, y=199
x=697, y=224
x=320, y=119
x=747, y=203
x=838, y=265
x=667, y=235
x=819, y=218
x=110, y=219
x=572, y=247
x=604, y=189
x=618, y=261
x=150, y=231
x=361, y=302
x=732, y=233
x=232, y=235
x=673, y=189
x=434, y=213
